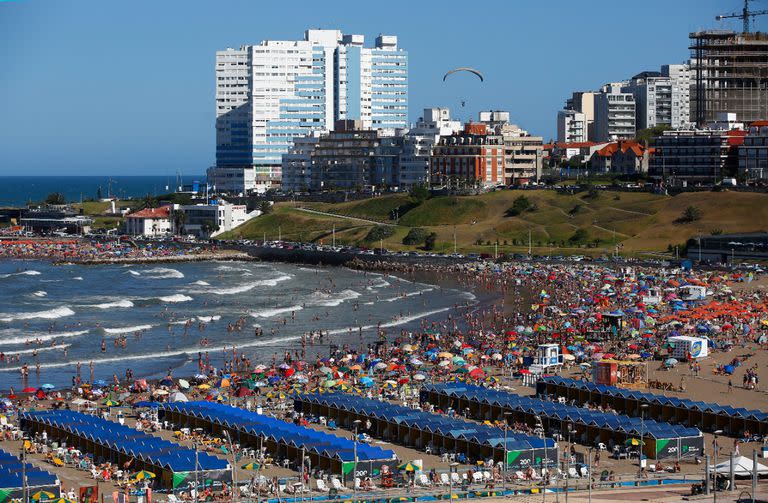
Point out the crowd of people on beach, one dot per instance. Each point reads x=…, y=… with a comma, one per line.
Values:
x=86, y=250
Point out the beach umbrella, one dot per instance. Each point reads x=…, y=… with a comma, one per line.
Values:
x=243, y=392
x=250, y=466
x=728, y=369
x=43, y=496
x=458, y=360
x=634, y=442
x=444, y=363
x=111, y=403
x=47, y=386
x=419, y=377
x=329, y=383
x=100, y=382
x=183, y=383
x=670, y=362
x=389, y=385
x=178, y=396
x=62, y=500
x=496, y=356
x=166, y=382
x=445, y=354
x=380, y=366
x=407, y=347
x=416, y=361
x=204, y=386
x=569, y=358
x=144, y=475
x=366, y=381
x=408, y=467
x=29, y=389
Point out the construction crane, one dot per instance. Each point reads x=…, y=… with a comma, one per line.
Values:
x=745, y=15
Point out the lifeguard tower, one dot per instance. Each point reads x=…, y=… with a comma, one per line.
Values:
x=548, y=360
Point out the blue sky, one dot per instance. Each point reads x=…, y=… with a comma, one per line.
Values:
x=116, y=87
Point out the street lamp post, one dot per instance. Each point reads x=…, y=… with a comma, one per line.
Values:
x=589, y=473
x=301, y=474
x=197, y=467
x=356, y=422
x=450, y=478
x=642, y=439
x=234, y=466
x=23, y=470
x=540, y=426
x=507, y=414
x=568, y=460
x=715, y=448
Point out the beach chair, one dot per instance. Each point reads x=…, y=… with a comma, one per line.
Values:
x=357, y=483
x=573, y=473
x=519, y=475
x=584, y=471
x=337, y=485
x=601, y=446
x=487, y=477
x=444, y=480
x=455, y=478
x=424, y=480
x=321, y=485
x=172, y=498
x=535, y=475
x=477, y=477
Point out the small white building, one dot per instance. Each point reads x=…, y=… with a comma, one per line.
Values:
x=151, y=222
x=208, y=220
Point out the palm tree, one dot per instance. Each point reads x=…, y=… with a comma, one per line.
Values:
x=179, y=218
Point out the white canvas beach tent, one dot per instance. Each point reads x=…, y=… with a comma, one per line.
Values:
x=742, y=467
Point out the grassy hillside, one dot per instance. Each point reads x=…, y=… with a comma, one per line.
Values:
x=635, y=222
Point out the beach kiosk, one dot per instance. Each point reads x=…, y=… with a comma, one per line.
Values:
x=620, y=373
x=685, y=347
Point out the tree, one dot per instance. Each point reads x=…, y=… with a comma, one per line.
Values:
x=690, y=214
x=265, y=207
x=148, y=202
x=580, y=236
x=210, y=227
x=179, y=218
x=55, y=198
x=519, y=205
x=419, y=194
x=415, y=236
x=645, y=136
x=379, y=232
x=429, y=243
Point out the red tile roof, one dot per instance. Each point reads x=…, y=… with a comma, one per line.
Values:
x=161, y=212
x=612, y=148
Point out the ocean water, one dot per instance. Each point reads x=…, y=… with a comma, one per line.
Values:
x=19, y=190
x=45, y=309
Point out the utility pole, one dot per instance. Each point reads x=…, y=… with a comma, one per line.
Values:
x=454, y=239
x=333, y=233
x=279, y=233
x=529, y=242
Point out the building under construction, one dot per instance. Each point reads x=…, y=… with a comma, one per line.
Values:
x=729, y=71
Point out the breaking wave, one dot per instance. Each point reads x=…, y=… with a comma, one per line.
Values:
x=50, y=314
x=268, y=313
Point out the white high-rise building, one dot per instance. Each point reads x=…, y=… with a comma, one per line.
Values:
x=269, y=94
x=614, y=113
x=662, y=98
x=571, y=126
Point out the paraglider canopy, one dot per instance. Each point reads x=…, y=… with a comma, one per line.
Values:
x=464, y=69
